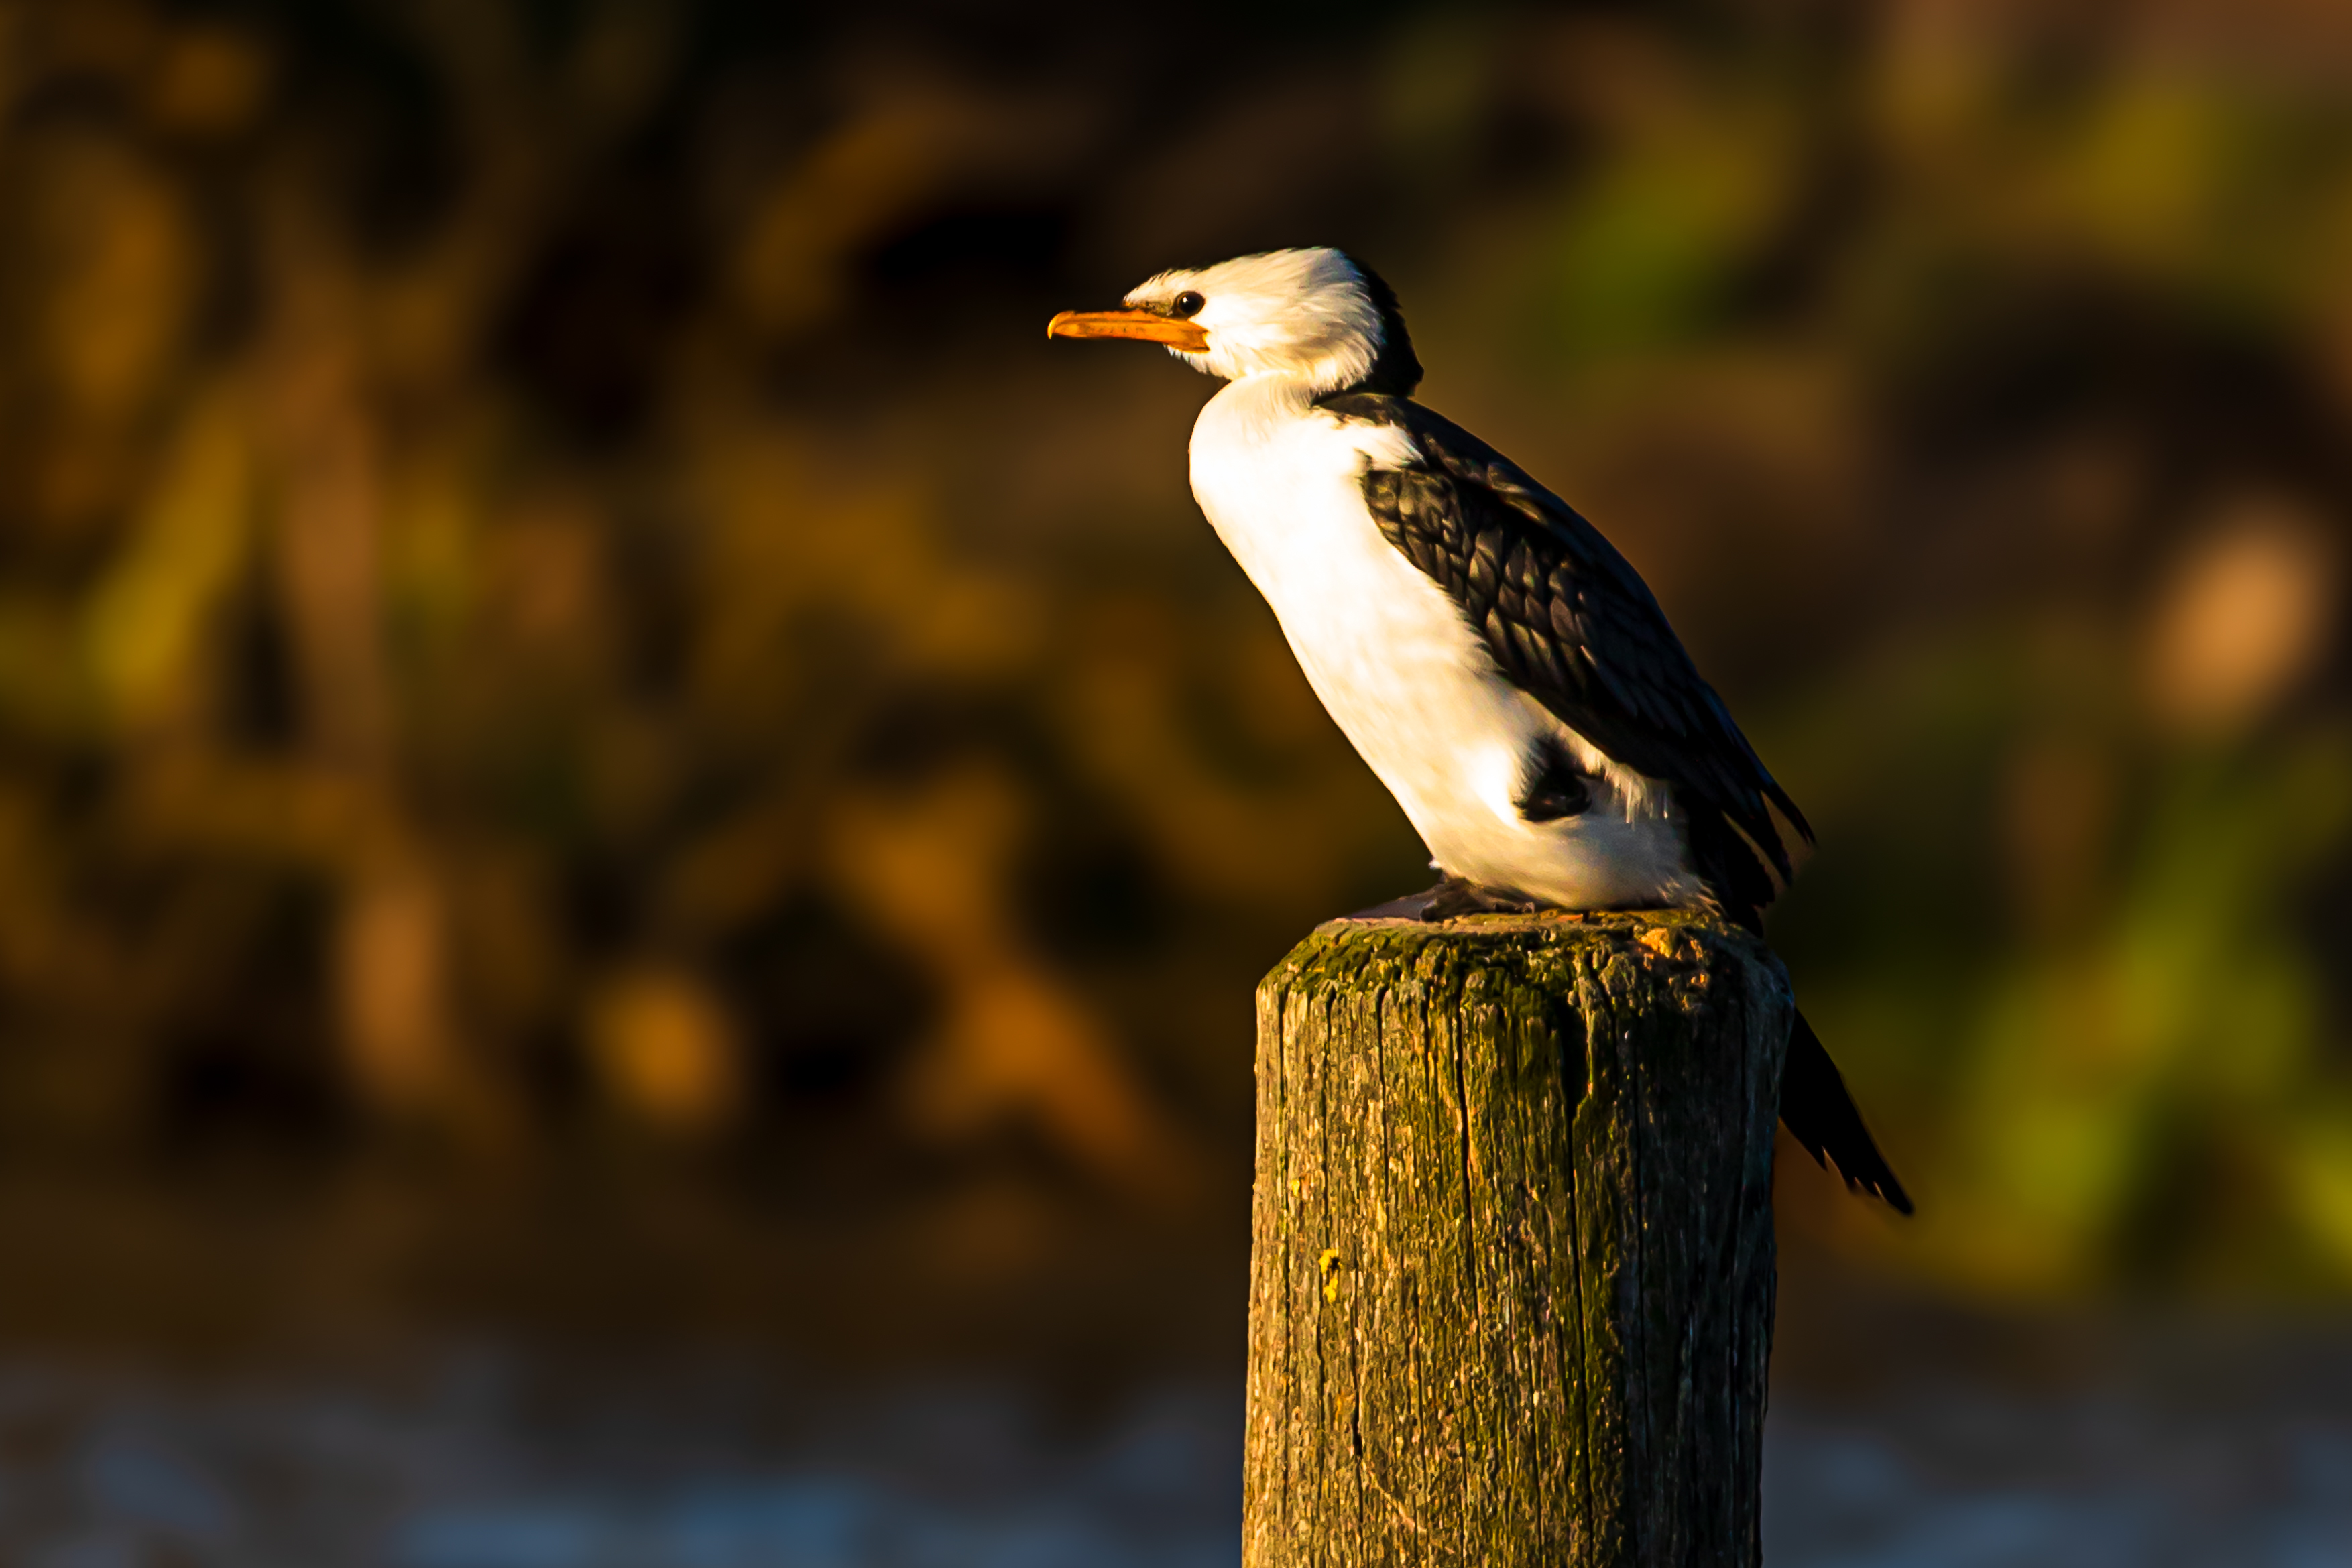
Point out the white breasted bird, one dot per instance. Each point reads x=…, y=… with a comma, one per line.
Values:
x=1505, y=672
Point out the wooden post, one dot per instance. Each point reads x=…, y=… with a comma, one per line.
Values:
x=1511, y=1293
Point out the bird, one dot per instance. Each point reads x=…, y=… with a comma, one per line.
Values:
x=1502, y=669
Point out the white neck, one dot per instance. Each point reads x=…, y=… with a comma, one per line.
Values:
x=1252, y=408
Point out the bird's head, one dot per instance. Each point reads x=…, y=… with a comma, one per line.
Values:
x=1315, y=316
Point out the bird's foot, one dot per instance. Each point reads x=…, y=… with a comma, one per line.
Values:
x=1459, y=895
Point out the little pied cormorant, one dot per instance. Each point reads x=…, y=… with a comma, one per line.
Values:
x=1505, y=672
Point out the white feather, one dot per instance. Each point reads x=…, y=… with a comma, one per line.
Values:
x=1299, y=314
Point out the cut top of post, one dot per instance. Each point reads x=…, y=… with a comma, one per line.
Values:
x=1544, y=948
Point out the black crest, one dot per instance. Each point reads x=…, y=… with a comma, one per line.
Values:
x=1396, y=372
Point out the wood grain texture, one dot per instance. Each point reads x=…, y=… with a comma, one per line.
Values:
x=1511, y=1291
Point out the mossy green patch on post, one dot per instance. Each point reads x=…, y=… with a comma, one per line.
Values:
x=1511, y=1291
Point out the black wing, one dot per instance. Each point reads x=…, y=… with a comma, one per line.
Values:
x=1573, y=624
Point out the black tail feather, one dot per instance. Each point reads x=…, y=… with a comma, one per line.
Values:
x=1821, y=1116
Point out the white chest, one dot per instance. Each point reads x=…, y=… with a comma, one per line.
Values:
x=1387, y=652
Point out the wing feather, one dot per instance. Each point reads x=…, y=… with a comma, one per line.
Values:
x=1569, y=620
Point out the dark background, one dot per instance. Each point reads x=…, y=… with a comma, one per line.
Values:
x=599, y=737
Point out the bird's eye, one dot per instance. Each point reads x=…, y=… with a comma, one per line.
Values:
x=1186, y=304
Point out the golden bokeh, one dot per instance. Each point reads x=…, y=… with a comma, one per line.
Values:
x=549, y=585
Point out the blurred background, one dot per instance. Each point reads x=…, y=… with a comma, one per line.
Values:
x=634, y=824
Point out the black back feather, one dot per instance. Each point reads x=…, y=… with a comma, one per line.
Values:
x=1570, y=621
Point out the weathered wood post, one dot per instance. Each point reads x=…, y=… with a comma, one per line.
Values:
x=1511, y=1295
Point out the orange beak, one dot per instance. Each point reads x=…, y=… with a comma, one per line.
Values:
x=1146, y=326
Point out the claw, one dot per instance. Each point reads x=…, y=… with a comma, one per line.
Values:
x=1459, y=895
